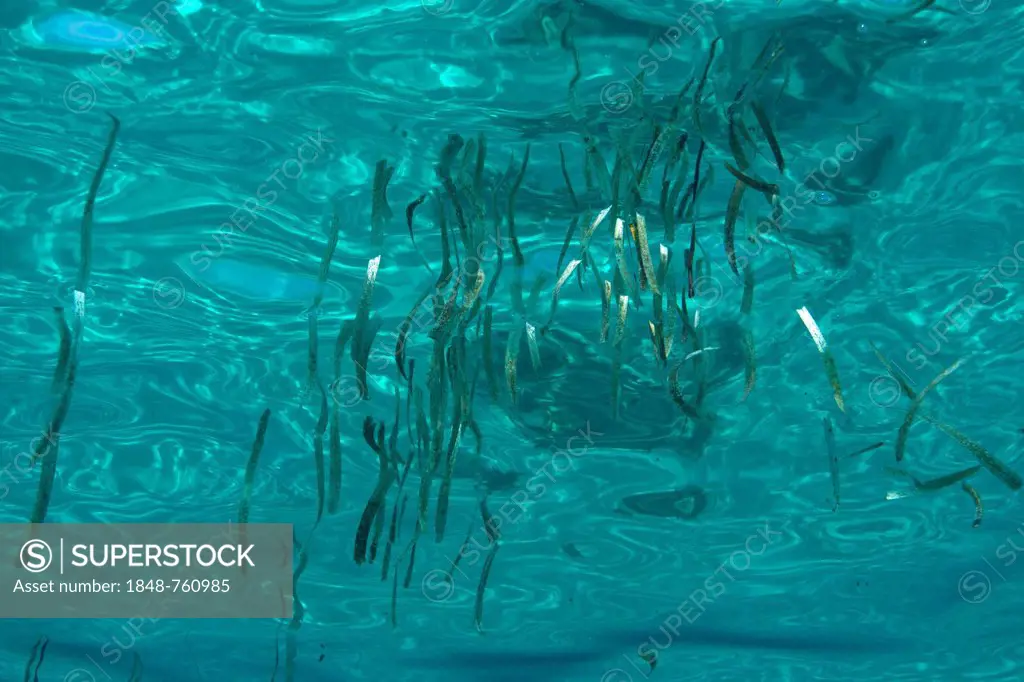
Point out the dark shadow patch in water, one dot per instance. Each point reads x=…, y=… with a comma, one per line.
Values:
x=685, y=503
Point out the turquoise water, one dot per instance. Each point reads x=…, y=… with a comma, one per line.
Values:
x=901, y=211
